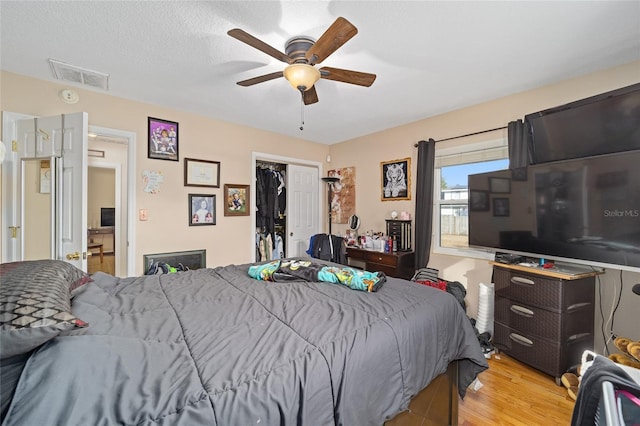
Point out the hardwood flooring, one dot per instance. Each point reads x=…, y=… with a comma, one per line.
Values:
x=108, y=265
x=513, y=394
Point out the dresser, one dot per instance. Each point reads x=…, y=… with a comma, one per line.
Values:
x=396, y=264
x=543, y=318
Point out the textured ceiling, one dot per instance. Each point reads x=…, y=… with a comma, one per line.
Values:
x=430, y=57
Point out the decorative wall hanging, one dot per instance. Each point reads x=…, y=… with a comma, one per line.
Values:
x=478, y=200
x=343, y=202
x=236, y=199
x=396, y=179
x=163, y=139
x=501, y=207
x=500, y=185
x=201, y=173
x=45, y=176
x=202, y=209
x=152, y=180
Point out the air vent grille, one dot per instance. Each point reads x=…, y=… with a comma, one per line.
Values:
x=75, y=74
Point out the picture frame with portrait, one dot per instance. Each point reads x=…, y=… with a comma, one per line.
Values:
x=478, y=200
x=202, y=209
x=163, y=139
x=396, y=180
x=501, y=207
x=236, y=200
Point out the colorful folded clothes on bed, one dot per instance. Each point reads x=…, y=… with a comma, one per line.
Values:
x=304, y=270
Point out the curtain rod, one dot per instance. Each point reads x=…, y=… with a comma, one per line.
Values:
x=468, y=134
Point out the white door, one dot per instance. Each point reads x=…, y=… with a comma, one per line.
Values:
x=303, y=219
x=62, y=138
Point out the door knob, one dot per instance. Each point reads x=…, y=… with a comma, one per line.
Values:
x=73, y=256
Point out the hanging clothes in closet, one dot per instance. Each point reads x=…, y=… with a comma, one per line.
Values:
x=270, y=209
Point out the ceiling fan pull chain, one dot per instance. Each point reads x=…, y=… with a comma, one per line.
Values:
x=301, y=110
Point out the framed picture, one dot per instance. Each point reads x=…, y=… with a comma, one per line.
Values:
x=478, y=200
x=202, y=209
x=500, y=185
x=396, y=182
x=501, y=207
x=163, y=139
x=201, y=173
x=236, y=199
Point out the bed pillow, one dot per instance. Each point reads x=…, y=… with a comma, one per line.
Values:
x=35, y=303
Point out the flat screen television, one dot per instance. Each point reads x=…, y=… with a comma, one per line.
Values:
x=584, y=210
x=107, y=216
x=596, y=125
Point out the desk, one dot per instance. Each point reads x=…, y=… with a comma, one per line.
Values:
x=98, y=246
x=400, y=264
x=105, y=236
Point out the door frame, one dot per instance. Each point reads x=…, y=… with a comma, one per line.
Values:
x=262, y=156
x=9, y=195
x=130, y=139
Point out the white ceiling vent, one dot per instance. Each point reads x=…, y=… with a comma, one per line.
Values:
x=74, y=74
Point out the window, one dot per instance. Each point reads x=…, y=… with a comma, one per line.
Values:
x=451, y=195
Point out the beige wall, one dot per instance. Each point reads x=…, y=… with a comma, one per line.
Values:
x=37, y=214
x=210, y=139
x=366, y=153
x=101, y=193
x=229, y=241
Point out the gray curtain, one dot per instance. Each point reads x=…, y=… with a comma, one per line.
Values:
x=424, y=201
x=520, y=154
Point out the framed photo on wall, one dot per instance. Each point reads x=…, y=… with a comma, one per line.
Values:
x=501, y=207
x=163, y=139
x=202, y=209
x=478, y=200
x=396, y=182
x=236, y=199
x=500, y=185
x=201, y=173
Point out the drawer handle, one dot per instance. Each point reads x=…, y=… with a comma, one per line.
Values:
x=521, y=280
x=520, y=339
x=521, y=311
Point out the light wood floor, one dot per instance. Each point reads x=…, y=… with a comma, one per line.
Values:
x=108, y=265
x=512, y=394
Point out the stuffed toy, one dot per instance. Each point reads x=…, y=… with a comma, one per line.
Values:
x=630, y=357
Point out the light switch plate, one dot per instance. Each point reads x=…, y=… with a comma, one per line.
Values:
x=143, y=215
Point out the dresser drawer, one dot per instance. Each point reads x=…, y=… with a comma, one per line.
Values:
x=534, y=290
x=390, y=271
x=382, y=259
x=550, y=357
x=528, y=319
x=533, y=350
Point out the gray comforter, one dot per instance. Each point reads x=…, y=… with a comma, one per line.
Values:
x=215, y=347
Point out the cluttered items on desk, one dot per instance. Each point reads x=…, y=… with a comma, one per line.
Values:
x=374, y=241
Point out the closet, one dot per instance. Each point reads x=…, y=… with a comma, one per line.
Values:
x=271, y=207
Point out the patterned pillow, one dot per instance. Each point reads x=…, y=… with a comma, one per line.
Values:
x=35, y=303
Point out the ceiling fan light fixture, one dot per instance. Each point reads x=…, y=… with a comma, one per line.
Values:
x=301, y=76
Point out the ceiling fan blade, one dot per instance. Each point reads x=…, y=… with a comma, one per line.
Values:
x=347, y=76
x=260, y=79
x=310, y=96
x=247, y=38
x=336, y=35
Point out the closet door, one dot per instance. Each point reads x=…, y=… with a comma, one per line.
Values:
x=303, y=218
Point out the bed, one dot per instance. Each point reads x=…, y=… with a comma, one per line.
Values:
x=217, y=347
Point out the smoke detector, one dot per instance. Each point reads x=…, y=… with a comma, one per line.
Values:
x=75, y=74
x=69, y=96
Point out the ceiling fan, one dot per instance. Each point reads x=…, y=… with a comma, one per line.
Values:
x=302, y=53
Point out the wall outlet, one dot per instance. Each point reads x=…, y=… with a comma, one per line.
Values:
x=143, y=214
